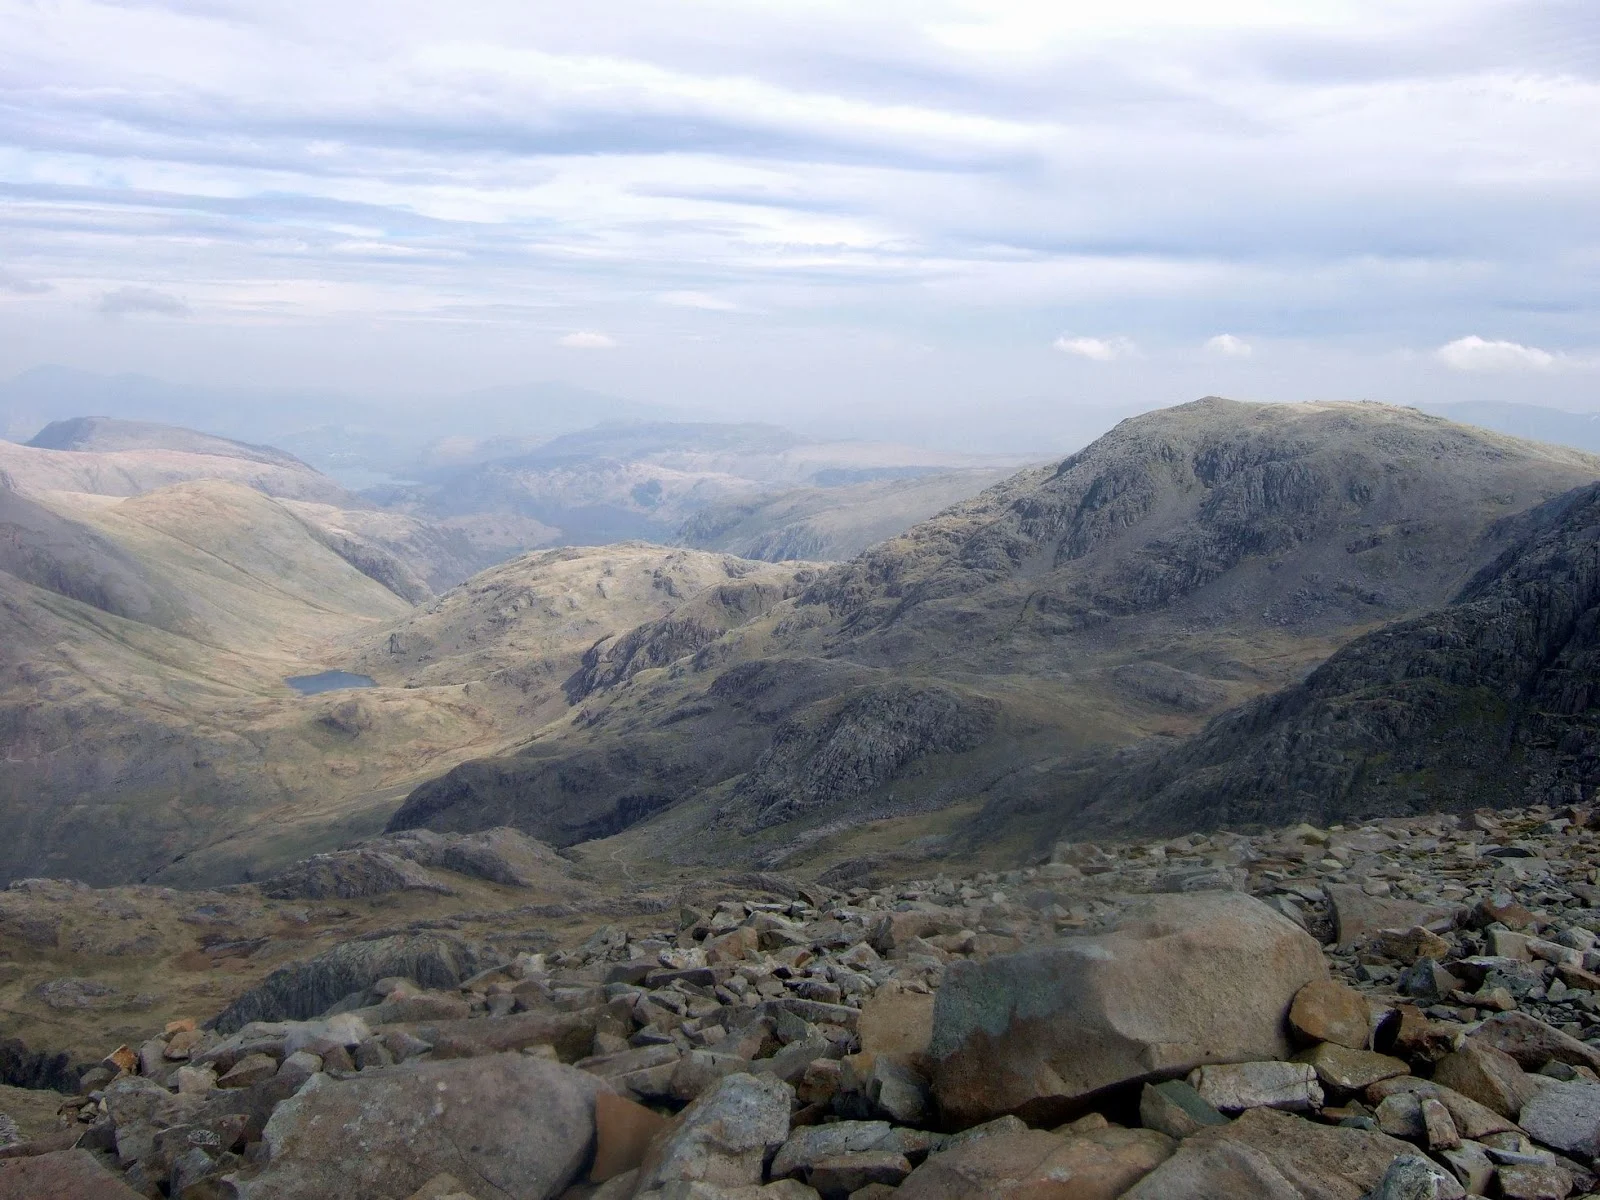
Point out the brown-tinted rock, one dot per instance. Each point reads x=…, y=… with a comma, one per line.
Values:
x=1351, y=1070
x=1472, y=1119
x=1271, y=1155
x=1327, y=1011
x=1184, y=980
x=1358, y=916
x=1482, y=1073
x=844, y=1174
x=1533, y=1043
x=622, y=1132
x=519, y=1127
x=898, y=1025
x=1090, y=1166
x=63, y=1175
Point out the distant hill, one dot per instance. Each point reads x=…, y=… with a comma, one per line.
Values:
x=106, y=434
x=617, y=481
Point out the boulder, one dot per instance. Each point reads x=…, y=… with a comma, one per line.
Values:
x=63, y=1175
x=1183, y=981
x=1565, y=1116
x=1358, y=916
x=521, y=1128
x=1269, y=1155
x=1328, y=1011
x=1482, y=1073
x=724, y=1137
x=1020, y=1166
x=1533, y=1043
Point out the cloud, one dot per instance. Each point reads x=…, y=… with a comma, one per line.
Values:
x=697, y=300
x=587, y=339
x=1229, y=346
x=1478, y=354
x=10, y=282
x=1096, y=349
x=141, y=300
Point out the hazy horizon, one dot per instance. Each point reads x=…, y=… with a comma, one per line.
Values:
x=944, y=222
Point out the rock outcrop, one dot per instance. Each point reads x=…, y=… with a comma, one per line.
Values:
x=1489, y=700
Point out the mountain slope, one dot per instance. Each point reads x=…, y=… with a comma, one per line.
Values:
x=145, y=727
x=1494, y=699
x=1188, y=560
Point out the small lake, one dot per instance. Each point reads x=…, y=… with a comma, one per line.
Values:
x=328, y=681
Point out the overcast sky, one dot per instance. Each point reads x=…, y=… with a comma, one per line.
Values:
x=920, y=213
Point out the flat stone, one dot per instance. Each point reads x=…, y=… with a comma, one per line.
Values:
x=62, y=1175
x=1270, y=1155
x=1533, y=1181
x=846, y=1173
x=811, y=1143
x=1351, y=1070
x=1094, y=1166
x=1565, y=1116
x=1328, y=1011
x=897, y=1025
x=1234, y=1087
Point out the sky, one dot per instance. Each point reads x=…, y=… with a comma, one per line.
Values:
x=943, y=219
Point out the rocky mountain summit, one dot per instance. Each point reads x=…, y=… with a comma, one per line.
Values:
x=1408, y=1008
x=1191, y=559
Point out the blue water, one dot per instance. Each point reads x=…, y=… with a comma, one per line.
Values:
x=328, y=681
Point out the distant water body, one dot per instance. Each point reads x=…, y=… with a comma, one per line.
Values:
x=328, y=681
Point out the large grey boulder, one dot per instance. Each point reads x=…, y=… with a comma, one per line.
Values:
x=724, y=1137
x=1182, y=981
x=1566, y=1116
x=299, y=991
x=518, y=1127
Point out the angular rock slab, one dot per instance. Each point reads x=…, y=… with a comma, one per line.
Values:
x=724, y=1138
x=64, y=1175
x=519, y=1128
x=1183, y=981
x=1565, y=1116
x=1022, y=1166
x=1269, y=1155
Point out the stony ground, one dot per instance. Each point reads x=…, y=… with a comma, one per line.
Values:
x=1405, y=1009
